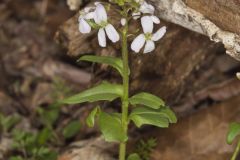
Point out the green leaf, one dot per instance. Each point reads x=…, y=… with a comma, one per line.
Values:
x=147, y=99
x=134, y=156
x=160, y=117
x=149, y=119
x=49, y=116
x=91, y=117
x=52, y=115
x=9, y=121
x=112, y=61
x=104, y=91
x=18, y=135
x=44, y=136
x=41, y=151
x=51, y=155
x=111, y=128
x=30, y=141
x=145, y=147
x=233, y=132
x=16, y=158
x=71, y=129
x=169, y=114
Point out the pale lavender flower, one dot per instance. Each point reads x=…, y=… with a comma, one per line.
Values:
x=85, y=15
x=100, y=18
x=147, y=37
x=123, y=21
x=146, y=8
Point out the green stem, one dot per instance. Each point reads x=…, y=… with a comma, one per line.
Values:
x=122, y=148
x=236, y=152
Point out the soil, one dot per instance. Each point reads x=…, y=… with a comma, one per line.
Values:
x=39, y=46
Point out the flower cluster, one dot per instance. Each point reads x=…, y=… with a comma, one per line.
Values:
x=96, y=17
x=99, y=15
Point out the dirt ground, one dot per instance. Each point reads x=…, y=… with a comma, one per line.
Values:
x=36, y=71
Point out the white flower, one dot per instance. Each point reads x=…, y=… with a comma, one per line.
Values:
x=155, y=19
x=146, y=8
x=147, y=36
x=136, y=15
x=86, y=14
x=123, y=21
x=100, y=18
x=96, y=3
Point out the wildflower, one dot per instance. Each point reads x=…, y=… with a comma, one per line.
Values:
x=123, y=21
x=147, y=37
x=85, y=15
x=100, y=18
x=146, y=8
x=136, y=15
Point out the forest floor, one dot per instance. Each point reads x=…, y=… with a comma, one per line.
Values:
x=36, y=72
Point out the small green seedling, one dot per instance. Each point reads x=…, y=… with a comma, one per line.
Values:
x=134, y=156
x=144, y=148
x=60, y=89
x=7, y=122
x=48, y=117
x=30, y=146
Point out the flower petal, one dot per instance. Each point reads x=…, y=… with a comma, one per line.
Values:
x=159, y=34
x=89, y=15
x=102, y=37
x=146, y=8
x=149, y=47
x=84, y=27
x=100, y=14
x=136, y=15
x=88, y=9
x=96, y=3
x=147, y=24
x=112, y=33
x=138, y=43
x=123, y=21
x=155, y=19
